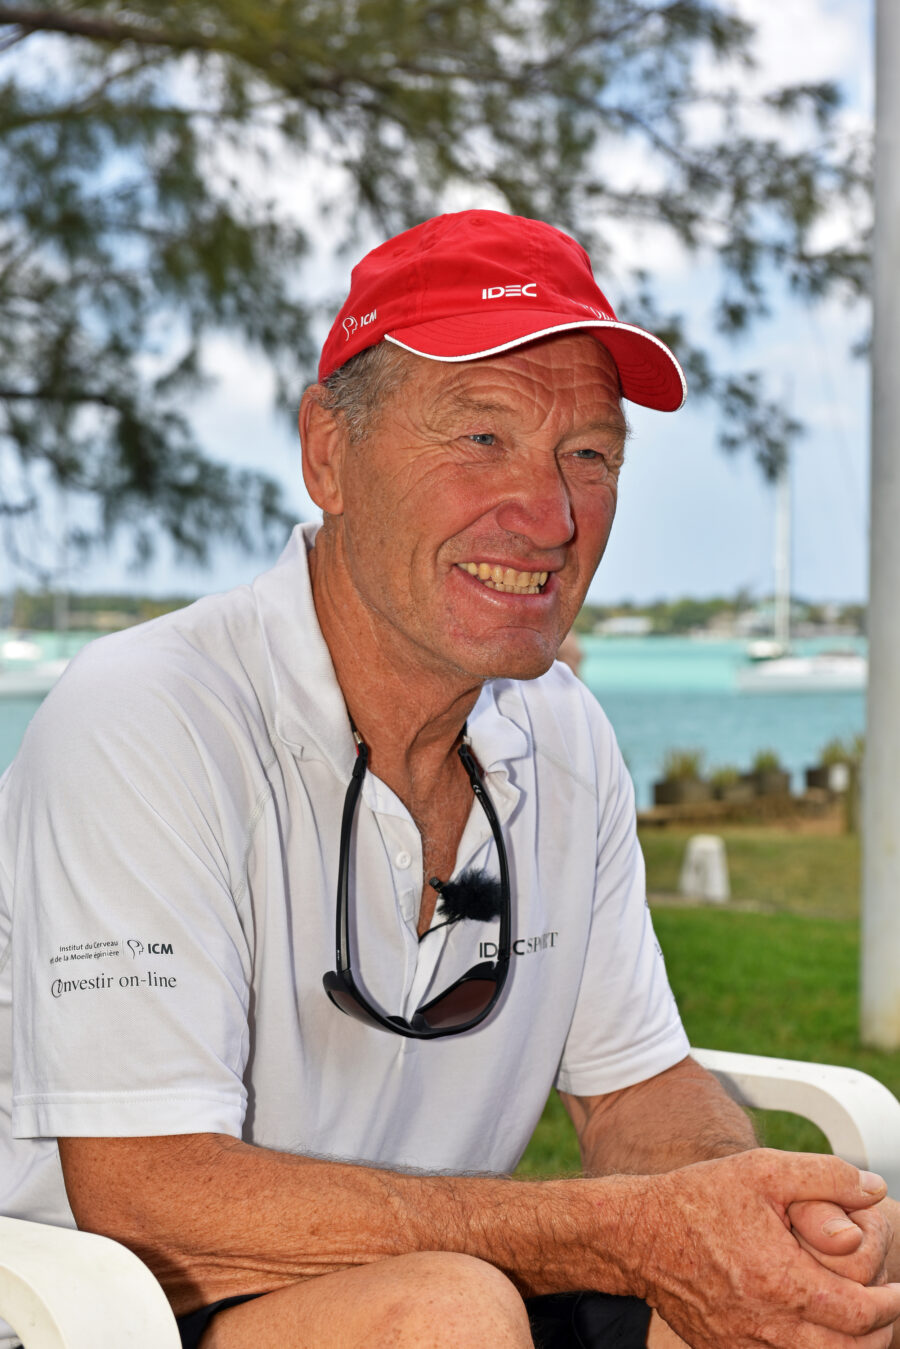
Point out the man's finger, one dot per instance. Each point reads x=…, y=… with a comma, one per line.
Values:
x=867, y=1263
x=825, y=1227
x=802, y=1176
x=810, y=1338
x=878, y=1339
x=839, y=1304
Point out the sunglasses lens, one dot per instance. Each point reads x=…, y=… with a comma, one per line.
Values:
x=459, y=1004
x=342, y=998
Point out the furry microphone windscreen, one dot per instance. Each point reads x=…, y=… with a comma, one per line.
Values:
x=474, y=894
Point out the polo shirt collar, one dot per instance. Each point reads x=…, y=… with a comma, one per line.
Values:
x=310, y=712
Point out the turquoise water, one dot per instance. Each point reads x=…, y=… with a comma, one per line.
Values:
x=665, y=693
x=15, y=713
x=660, y=693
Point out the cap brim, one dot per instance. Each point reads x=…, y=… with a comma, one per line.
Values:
x=648, y=372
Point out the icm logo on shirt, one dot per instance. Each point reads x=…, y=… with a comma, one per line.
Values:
x=153, y=948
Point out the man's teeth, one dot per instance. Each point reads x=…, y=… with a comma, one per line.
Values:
x=506, y=579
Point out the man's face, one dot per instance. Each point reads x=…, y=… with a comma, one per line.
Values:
x=477, y=510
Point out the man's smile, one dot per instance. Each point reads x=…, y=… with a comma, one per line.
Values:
x=506, y=579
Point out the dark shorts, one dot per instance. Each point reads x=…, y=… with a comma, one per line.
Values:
x=559, y=1321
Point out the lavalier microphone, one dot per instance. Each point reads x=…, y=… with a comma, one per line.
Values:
x=474, y=894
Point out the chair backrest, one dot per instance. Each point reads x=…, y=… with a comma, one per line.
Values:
x=858, y=1115
x=61, y=1289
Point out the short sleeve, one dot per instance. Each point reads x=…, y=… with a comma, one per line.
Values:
x=128, y=819
x=626, y=1027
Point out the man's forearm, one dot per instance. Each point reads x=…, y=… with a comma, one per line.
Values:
x=213, y=1217
x=679, y=1117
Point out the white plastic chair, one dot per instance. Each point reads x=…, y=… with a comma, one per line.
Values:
x=62, y=1289
x=71, y=1290
x=858, y=1115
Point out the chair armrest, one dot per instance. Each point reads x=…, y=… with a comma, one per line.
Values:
x=62, y=1289
x=859, y=1116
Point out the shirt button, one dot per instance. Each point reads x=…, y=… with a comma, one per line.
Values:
x=403, y=860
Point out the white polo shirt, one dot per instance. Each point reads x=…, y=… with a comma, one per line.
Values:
x=168, y=866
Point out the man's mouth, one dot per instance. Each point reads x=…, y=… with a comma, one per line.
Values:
x=508, y=580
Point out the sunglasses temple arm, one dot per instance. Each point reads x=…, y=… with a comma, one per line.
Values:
x=342, y=935
x=487, y=806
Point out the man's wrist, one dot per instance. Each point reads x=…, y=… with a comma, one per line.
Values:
x=592, y=1234
x=636, y=1214
x=552, y=1236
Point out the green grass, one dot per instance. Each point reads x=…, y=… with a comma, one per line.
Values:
x=799, y=873
x=758, y=983
x=775, y=984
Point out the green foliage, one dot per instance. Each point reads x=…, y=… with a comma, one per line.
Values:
x=682, y=765
x=35, y=611
x=835, y=752
x=684, y=615
x=766, y=761
x=725, y=776
x=140, y=147
x=670, y=618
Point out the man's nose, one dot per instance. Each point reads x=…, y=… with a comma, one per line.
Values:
x=538, y=507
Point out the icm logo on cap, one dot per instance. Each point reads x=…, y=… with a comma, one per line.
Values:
x=495, y=292
x=351, y=324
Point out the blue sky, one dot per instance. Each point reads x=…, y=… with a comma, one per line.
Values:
x=691, y=520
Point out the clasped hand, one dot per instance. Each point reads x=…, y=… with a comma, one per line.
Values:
x=765, y=1248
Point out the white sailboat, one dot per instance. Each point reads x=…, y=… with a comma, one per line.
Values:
x=24, y=670
x=27, y=669
x=772, y=667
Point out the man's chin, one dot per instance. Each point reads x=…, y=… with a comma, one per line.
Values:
x=520, y=660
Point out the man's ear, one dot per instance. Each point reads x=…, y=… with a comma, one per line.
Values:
x=323, y=438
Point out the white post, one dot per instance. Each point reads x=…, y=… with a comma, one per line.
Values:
x=880, y=1011
x=783, y=556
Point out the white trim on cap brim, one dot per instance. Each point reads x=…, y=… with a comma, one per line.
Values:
x=548, y=332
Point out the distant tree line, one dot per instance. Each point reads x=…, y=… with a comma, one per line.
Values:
x=37, y=611
x=688, y=614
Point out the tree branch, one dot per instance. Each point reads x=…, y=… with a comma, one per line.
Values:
x=55, y=396
x=12, y=40
x=18, y=508
x=102, y=30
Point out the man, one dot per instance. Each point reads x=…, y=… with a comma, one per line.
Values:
x=374, y=721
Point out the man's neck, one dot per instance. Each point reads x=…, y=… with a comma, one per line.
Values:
x=410, y=713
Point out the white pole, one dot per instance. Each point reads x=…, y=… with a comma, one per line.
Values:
x=783, y=556
x=880, y=1010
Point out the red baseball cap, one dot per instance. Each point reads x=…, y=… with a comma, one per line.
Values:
x=477, y=283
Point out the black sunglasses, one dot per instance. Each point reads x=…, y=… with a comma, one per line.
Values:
x=467, y=1001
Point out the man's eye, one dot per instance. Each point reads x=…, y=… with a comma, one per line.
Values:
x=483, y=438
x=588, y=454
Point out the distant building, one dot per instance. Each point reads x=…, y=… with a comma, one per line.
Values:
x=721, y=626
x=624, y=625
x=755, y=622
